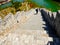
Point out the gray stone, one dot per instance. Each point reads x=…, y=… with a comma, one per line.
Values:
x=9, y=19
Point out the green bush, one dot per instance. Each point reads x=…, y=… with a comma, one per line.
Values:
x=16, y=5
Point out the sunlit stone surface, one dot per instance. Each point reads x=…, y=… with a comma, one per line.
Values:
x=27, y=37
x=28, y=31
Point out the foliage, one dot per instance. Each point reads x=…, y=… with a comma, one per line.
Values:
x=16, y=5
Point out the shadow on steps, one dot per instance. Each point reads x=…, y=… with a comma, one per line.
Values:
x=51, y=32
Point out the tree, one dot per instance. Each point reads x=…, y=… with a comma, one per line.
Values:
x=57, y=0
x=16, y=5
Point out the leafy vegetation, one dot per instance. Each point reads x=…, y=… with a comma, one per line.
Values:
x=17, y=6
x=57, y=0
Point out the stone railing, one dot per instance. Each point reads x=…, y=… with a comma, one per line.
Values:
x=53, y=18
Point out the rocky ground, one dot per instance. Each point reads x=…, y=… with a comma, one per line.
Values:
x=27, y=31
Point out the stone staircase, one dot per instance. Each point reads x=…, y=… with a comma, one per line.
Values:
x=24, y=28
